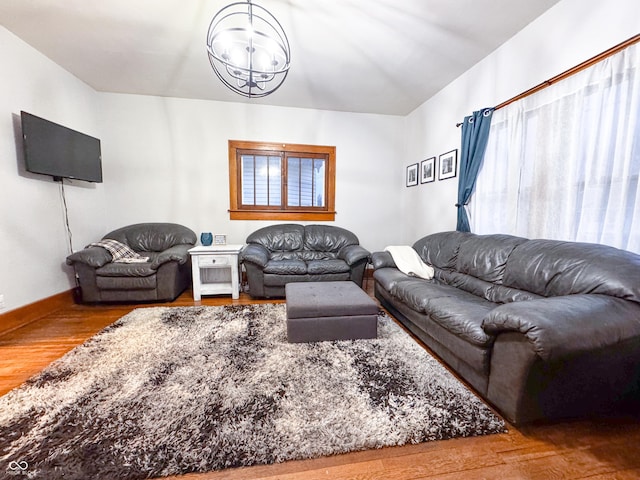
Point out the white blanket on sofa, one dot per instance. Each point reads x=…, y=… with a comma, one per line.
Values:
x=409, y=262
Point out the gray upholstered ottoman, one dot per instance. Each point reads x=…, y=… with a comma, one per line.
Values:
x=318, y=311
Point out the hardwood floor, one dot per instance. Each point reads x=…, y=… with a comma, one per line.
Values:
x=597, y=449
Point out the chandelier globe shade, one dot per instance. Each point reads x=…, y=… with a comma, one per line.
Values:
x=248, y=49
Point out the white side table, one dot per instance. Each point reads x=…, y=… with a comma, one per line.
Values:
x=214, y=270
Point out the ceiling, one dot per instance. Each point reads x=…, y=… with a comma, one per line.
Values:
x=376, y=56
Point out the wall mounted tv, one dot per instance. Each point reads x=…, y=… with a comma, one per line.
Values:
x=51, y=149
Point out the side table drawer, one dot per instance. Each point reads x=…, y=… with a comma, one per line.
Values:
x=205, y=261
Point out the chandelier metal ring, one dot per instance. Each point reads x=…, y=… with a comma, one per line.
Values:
x=248, y=49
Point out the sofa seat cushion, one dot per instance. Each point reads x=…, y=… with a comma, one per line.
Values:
x=300, y=267
x=127, y=283
x=462, y=315
x=125, y=270
x=416, y=293
x=460, y=354
x=126, y=276
x=320, y=267
x=286, y=267
x=387, y=277
x=457, y=311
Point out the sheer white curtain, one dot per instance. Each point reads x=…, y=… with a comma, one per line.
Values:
x=564, y=162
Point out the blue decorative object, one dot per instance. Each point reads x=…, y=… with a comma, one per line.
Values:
x=206, y=238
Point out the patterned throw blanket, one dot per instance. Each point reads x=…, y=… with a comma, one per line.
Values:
x=120, y=252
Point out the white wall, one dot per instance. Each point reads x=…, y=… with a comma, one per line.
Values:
x=166, y=159
x=567, y=34
x=33, y=238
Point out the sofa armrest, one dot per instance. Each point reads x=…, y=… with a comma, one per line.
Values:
x=571, y=324
x=255, y=253
x=353, y=254
x=177, y=253
x=95, y=257
x=382, y=260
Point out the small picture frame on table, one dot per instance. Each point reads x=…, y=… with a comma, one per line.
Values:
x=412, y=175
x=220, y=239
x=428, y=170
x=448, y=165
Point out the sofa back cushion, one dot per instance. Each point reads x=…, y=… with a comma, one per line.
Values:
x=440, y=250
x=492, y=292
x=327, y=238
x=153, y=237
x=485, y=256
x=552, y=268
x=311, y=242
x=288, y=237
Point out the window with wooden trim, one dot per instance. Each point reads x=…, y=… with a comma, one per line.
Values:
x=273, y=181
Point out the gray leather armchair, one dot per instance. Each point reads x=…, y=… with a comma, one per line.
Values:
x=164, y=276
x=281, y=254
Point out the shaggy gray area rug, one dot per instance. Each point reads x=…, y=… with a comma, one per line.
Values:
x=171, y=390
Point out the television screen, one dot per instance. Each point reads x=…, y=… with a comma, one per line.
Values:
x=51, y=149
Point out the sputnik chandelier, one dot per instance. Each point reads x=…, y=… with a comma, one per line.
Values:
x=248, y=49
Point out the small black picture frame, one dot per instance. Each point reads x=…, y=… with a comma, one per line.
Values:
x=428, y=170
x=412, y=175
x=448, y=165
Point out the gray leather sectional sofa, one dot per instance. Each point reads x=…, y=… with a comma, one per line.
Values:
x=285, y=253
x=541, y=329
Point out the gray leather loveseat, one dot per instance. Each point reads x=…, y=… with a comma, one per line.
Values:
x=540, y=328
x=280, y=254
x=162, y=277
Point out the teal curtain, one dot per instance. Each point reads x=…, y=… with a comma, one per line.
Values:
x=475, y=133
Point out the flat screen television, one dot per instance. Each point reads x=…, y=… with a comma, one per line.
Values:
x=51, y=149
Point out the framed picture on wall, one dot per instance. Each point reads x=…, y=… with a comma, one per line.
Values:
x=448, y=165
x=428, y=170
x=412, y=175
